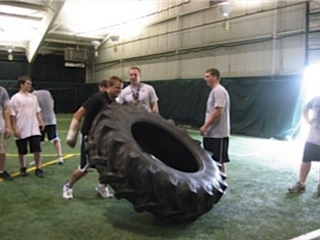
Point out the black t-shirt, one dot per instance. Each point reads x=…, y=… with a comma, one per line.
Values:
x=93, y=106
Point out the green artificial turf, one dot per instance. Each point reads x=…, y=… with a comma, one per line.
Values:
x=256, y=205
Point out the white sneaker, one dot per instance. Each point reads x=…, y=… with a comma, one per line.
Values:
x=103, y=191
x=67, y=192
x=60, y=161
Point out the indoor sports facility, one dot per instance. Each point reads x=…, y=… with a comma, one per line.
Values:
x=268, y=56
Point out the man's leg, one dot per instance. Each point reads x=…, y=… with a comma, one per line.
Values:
x=67, y=191
x=300, y=185
x=57, y=146
x=304, y=171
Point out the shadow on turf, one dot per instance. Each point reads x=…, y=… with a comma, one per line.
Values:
x=125, y=218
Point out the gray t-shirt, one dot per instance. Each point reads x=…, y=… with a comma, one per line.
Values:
x=220, y=128
x=45, y=100
x=314, y=133
x=4, y=101
x=145, y=93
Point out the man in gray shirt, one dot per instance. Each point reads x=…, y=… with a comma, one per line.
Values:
x=5, y=132
x=216, y=128
x=46, y=104
x=312, y=145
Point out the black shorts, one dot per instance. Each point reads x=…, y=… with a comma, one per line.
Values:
x=51, y=131
x=311, y=152
x=219, y=147
x=84, y=160
x=34, y=145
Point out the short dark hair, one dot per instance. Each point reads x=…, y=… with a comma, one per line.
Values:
x=23, y=79
x=135, y=68
x=112, y=80
x=214, y=72
x=103, y=83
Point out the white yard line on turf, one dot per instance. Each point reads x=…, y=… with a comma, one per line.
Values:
x=309, y=236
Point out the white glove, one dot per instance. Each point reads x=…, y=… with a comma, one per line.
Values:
x=73, y=133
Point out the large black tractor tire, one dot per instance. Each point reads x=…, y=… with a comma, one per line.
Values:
x=153, y=164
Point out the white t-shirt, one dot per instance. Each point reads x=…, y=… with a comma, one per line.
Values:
x=220, y=128
x=25, y=108
x=4, y=101
x=314, y=132
x=145, y=93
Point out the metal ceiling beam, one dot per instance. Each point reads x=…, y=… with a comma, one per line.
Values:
x=20, y=16
x=19, y=4
x=47, y=22
x=64, y=41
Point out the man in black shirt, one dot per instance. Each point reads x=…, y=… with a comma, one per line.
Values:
x=89, y=111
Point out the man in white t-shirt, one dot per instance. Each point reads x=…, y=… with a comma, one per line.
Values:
x=5, y=132
x=312, y=145
x=25, y=119
x=216, y=128
x=139, y=94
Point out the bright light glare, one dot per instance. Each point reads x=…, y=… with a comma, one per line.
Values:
x=132, y=29
x=103, y=17
x=17, y=30
x=311, y=82
x=310, y=89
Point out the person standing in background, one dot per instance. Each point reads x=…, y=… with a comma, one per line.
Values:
x=46, y=104
x=312, y=145
x=25, y=120
x=216, y=128
x=139, y=94
x=5, y=132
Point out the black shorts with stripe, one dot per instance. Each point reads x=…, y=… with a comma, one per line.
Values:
x=51, y=132
x=218, y=147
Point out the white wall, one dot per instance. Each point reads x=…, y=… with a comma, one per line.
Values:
x=265, y=38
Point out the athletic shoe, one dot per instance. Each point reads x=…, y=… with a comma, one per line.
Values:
x=60, y=161
x=67, y=192
x=6, y=176
x=39, y=173
x=103, y=191
x=297, y=188
x=23, y=172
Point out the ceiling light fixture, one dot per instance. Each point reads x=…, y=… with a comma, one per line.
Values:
x=96, y=44
x=10, y=50
x=115, y=38
x=225, y=8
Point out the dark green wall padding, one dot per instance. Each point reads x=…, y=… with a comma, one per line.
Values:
x=260, y=106
x=263, y=107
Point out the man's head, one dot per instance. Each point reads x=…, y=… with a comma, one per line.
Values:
x=212, y=77
x=114, y=86
x=103, y=84
x=25, y=83
x=134, y=75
